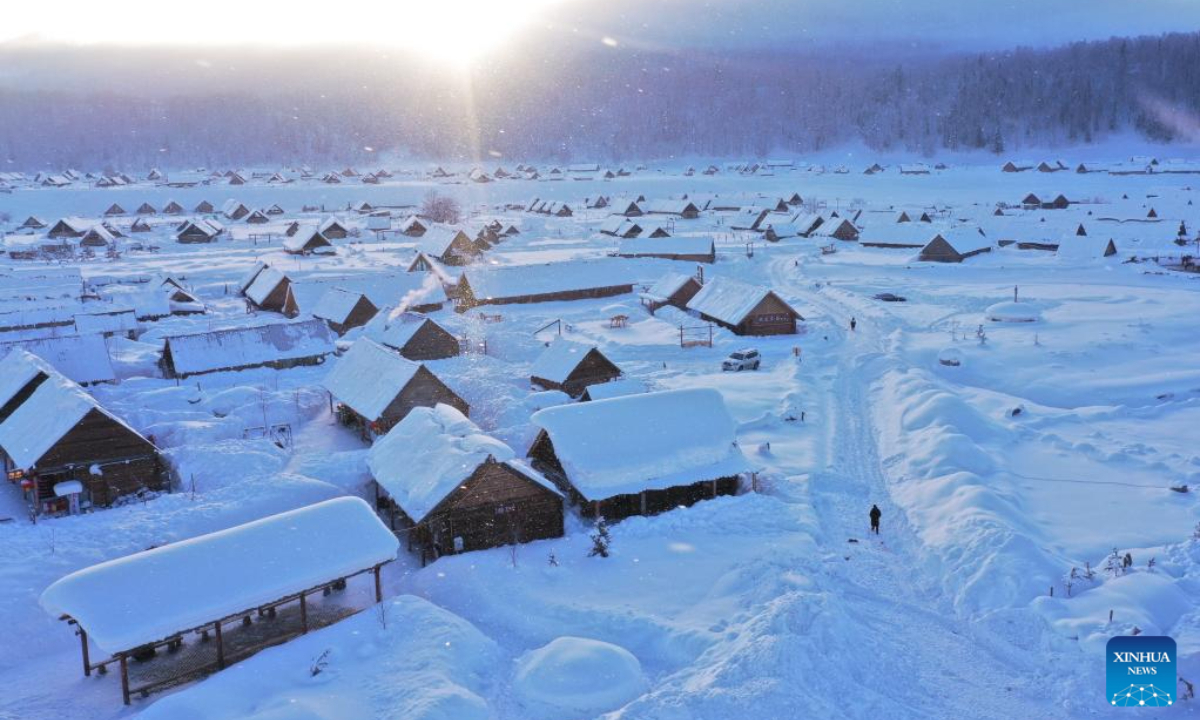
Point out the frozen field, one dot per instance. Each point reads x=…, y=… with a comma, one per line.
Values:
x=1055, y=438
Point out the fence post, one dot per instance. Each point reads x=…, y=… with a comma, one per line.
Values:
x=124, y=679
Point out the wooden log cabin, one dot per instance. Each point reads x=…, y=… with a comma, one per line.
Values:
x=571, y=367
x=743, y=308
x=415, y=336
x=65, y=451
x=375, y=388
x=448, y=246
x=640, y=454
x=269, y=289
x=954, y=246
x=451, y=489
x=343, y=310
x=674, y=289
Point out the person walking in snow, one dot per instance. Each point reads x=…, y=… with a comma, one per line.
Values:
x=876, y=513
x=853, y=324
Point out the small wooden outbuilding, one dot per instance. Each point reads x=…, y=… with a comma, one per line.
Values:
x=571, y=367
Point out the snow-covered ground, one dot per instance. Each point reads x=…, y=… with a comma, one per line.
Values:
x=1055, y=440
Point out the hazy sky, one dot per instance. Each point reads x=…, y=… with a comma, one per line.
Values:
x=459, y=29
x=954, y=24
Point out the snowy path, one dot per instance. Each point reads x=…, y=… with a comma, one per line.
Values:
x=957, y=669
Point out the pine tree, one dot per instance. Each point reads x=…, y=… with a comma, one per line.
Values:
x=600, y=540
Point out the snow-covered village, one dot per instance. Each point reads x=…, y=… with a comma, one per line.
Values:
x=812, y=423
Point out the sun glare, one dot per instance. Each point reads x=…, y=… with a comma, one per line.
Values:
x=452, y=31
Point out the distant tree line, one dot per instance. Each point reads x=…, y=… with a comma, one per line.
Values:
x=564, y=102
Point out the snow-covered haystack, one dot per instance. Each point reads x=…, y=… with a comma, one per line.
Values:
x=574, y=677
x=1014, y=312
x=951, y=357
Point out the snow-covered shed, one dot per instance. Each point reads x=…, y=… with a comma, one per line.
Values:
x=271, y=290
x=414, y=336
x=412, y=226
x=674, y=289
x=451, y=246
x=52, y=432
x=69, y=227
x=954, y=246
x=212, y=586
x=333, y=229
x=344, y=310
x=307, y=242
x=375, y=388
x=619, y=226
x=456, y=489
x=199, y=230
x=743, y=308
x=279, y=346
x=640, y=454
x=571, y=367
x=678, y=208
x=837, y=229
x=98, y=236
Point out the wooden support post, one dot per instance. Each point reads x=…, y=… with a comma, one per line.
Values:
x=220, y=647
x=378, y=586
x=124, y=679
x=714, y=488
x=642, y=494
x=87, y=663
x=303, y=614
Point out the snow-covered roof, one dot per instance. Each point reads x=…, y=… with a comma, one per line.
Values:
x=382, y=289
x=648, y=441
x=430, y=452
x=81, y=358
x=303, y=238
x=909, y=234
x=558, y=360
x=369, y=377
x=249, y=346
x=728, y=300
x=16, y=370
x=152, y=595
x=616, y=388
x=667, y=285
x=264, y=284
x=395, y=330
x=115, y=320
x=336, y=304
x=41, y=421
x=965, y=239
x=646, y=246
x=517, y=280
x=668, y=206
x=437, y=240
